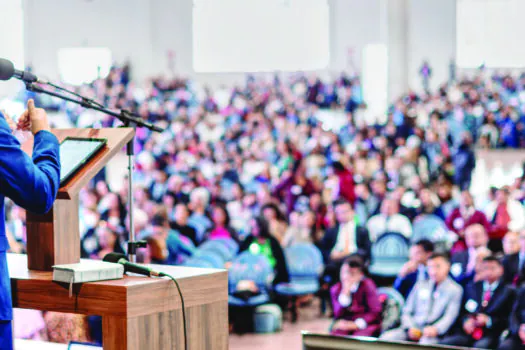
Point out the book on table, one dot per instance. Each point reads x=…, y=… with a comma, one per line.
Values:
x=87, y=271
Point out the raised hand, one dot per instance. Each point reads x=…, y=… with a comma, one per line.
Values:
x=33, y=119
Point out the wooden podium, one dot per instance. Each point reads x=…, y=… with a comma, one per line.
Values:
x=137, y=312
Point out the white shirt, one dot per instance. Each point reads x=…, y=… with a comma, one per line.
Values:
x=472, y=255
x=516, y=212
x=379, y=224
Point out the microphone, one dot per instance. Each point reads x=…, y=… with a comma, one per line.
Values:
x=121, y=259
x=8, y=71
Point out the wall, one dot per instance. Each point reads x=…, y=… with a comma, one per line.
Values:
x=11, y=44
x=432, y=37
x=143, y=31
x=121, y=25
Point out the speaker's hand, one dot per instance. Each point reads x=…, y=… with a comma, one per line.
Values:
x=33, y=119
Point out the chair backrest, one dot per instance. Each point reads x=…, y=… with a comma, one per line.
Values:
x=248, y=266
x=393, y=304
x=430, y=227
x=211, y=256
x=218, y=248
x=390, y=246
x=196, y=262
x=304, y=260
x=230, y=244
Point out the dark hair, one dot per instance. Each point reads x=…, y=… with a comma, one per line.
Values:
x=493, y=258
x=158, y=221
x=443, y=256
x=341, y=201
x=296, y=165
x=338, y=166
x=356, y=261
x=226, y=214
x=426, y=244
x=505, y=189
x=262, y=224
x=278, y=213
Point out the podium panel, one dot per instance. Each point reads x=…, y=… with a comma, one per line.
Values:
x=54, y=238
x=137, y=312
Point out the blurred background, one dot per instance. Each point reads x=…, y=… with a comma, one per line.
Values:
x=290, y=124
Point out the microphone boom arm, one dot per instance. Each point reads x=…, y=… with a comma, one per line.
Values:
x=125, y=116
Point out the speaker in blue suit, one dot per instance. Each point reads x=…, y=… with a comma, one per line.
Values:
x=31, y=183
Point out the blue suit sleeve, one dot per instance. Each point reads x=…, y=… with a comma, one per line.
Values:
x=31, y=183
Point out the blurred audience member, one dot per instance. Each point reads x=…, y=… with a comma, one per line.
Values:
x=511, y=243
x=180, y=223
x=108, y=242
x=356, y=305
x=415, y=269
x=389, y=220
x=506, y=215
x=431, y=308
x=464, y=216
x=260, y=241
x=464, y=262
x=221, y=225
x=513, y=264
x=199, y=200
x=486, y=310
x=516, y=337
x=276, y=220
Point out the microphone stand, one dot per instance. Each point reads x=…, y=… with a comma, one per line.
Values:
x=130, y=120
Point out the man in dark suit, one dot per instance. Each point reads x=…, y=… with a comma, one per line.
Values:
x=343, y=240
x=513, y=264
x=416, y=268
x=31, y=183
x=464, y=263
x=516, y=337
x=486, y=309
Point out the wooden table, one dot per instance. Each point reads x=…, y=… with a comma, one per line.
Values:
x=137, y=312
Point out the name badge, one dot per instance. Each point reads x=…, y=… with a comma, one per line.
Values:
x=471, y=306
x=456, y=269
x=458, y=223
x=424, y=294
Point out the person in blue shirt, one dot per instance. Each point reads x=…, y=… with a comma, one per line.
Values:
x=31, y=183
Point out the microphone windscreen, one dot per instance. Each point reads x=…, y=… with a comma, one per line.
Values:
x=7, y=69
x=114, y=257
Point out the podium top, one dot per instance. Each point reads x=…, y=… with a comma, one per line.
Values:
x=129, y=296
x=117, y=139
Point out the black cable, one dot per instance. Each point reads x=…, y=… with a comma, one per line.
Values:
x=162, y=274
x=84, y=99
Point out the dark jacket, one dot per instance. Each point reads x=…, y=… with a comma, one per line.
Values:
x=511, y=268
x=517, y=317
x=404, y=285
x=281, y=270
x=464, y=163
x=498, y=308
x=458, y=268
x=330, y=239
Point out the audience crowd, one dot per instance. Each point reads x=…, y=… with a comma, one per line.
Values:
x=256, y=164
